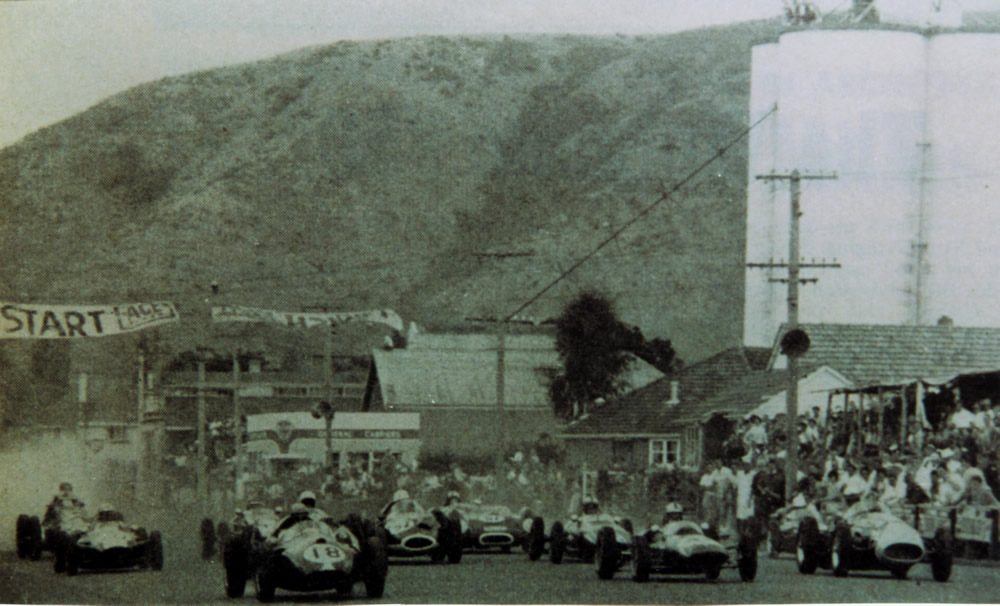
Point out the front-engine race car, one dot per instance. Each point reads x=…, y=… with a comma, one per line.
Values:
x=63, y=521
x=108, y=543
x=681, y=547
x=414, y=531
x=489, y=526
x=871, y=540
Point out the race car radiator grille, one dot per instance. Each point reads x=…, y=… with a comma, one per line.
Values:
x=496, y=538
x=418, y=542
x=906, y=552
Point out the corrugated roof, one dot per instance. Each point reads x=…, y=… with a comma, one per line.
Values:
x=461, y=370
x=645, y=410
x=874, y=353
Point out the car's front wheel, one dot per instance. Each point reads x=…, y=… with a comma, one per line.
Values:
x=840, y=551
x=557, y=543
x=608, y=553
x=236, y=560
x=536, y=539
x=641, y=559
x=806, y=540
x=941, y=556
x=377, y=566
x=155, y=557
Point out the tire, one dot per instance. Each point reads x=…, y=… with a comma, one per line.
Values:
x=236, y=561
x=746, y=560
x=557, y=543
x=840, y=551
x=72, y=558
x=536, y=539
x=59, y=547
x=455, y=533
x=376, y=567
x=34, y=542
x=806, y=540
x=608, y=553
x=266, y=584
x=641, y=559
x=942, y=556
x=23, y=536
x=155, y=555
x=207, y=534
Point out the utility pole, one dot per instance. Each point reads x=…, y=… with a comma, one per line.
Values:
x=202, y=469
x=794, y=264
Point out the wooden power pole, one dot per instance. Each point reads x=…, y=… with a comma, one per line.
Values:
x=794, y=265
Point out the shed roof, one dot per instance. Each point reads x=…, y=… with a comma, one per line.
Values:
x=877, y=353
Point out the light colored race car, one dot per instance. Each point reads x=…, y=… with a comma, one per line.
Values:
x=487, y=527
x=304, y=554
x=681, y=547
x=580, y=537
x=871, y=540
x=412, y=531
x=109, y=544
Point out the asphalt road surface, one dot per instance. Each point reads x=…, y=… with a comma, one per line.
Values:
x=495, y=579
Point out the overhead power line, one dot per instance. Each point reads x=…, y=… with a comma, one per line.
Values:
x=665, y=195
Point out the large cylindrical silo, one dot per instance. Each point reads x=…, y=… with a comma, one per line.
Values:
x=962, y=180
x=850, y=102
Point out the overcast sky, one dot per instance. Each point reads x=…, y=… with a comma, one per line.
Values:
x=58, y=57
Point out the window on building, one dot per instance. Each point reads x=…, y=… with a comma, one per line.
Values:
x=663, y=452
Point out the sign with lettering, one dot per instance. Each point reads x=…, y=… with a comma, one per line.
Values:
x=39, y=321
x=238, y=313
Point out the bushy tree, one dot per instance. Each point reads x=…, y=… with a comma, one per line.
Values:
x=596, y=348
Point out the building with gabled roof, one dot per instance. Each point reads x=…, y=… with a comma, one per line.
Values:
x=451, y=380
x=653, y=425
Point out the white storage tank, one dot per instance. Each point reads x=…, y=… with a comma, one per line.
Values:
x=879, y=108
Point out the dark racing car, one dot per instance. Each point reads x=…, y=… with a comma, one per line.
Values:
x=681, y=547
x=486, y=527
x=65, y=519
x=412, y=531
x=305, y=554
x=871, y=540
x=109, y=544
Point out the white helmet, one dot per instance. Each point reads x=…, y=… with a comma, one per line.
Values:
x=308, y=495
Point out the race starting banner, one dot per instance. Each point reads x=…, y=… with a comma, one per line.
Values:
x=39, y=321
x=238, y=313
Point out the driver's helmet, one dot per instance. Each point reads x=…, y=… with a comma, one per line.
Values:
x=590, y=506
x=672, y=511
x=308, y=498
x=453, y=497
x=400, y=494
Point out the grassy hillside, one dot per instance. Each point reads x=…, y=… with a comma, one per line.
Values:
x=362, y=175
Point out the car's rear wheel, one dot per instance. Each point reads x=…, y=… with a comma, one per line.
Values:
x=35, y=540
x=155, y=557
x=266, y=584
x=641, y=559
x=236, y=560
x=377, y=566
x=23, y=536
x=840, y=551
x=455, y=536
x=608, y=553
x=207, y=534
x=941, y=556
x=72, y=558
x=536, y=539
x=806, y=540
x=59, y=547
x=746, y=560
x=557, y=543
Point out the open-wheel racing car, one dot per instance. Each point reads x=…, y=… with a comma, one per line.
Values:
x=871, y=540
x=413, y=531
x=582, y=538
x=107, y=544
x=306, y=554
x=682, y=547
x=490, y=526
x=254, y=518
x=62, y=522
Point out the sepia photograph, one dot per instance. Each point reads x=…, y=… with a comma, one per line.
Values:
x=499, y=302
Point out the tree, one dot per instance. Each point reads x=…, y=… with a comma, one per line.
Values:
x=596, y=348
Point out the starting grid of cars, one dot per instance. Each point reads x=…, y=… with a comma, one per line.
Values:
x=306, y=550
